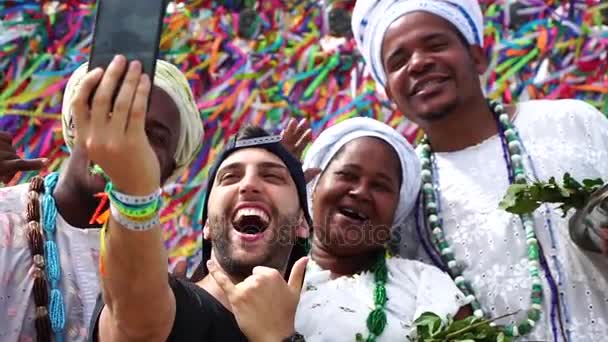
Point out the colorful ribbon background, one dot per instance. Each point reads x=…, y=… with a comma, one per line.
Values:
x=292, y=68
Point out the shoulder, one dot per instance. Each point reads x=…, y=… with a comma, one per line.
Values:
x=401, y=265
x=13, y=203
x=200, y=314
x=13, y=199
x=575, y=111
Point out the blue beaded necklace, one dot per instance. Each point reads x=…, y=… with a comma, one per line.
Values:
x=53, y=265
x=432, y=215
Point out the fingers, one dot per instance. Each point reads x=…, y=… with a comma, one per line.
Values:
x=221, y=278
x=136, y=120
x=7, y=148
x=296, y=277
x=124, y=100
x=80, y=103
x=180, y=270
x=302, y=142
x=296, y=137
x=302, y=127
x=16, y=165
x=102, y=101
x=6, y=137
x=310, y=174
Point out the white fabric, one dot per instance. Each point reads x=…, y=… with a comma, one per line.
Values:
x=171, y=80
x=372, y=18
x=334, y=310
x=331, y=140
x=79, y=253
x=560, y=136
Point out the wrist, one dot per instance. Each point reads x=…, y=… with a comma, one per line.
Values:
x=294, y=337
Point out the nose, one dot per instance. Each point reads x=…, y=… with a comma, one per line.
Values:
x=361, y=191
x=250, y=183
x=419, y=62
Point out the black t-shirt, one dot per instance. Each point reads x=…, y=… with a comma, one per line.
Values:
x=198, y=317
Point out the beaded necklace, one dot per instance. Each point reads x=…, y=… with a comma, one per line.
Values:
x=376, y=320
x=432, y=215
x=50, y=313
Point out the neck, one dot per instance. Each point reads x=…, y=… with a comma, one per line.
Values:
x=73, y=204
x=464, y=126
x=342, y=265
x=209, y=284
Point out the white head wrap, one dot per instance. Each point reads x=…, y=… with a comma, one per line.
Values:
x=372, y=18
x=335, y=137
x=171, y=80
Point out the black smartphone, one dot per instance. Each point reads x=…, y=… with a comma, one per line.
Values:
x=131, y=28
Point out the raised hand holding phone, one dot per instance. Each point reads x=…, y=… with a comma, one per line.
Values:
x=113, y=133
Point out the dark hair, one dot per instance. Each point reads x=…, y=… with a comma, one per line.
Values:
x=300, y=248
x=250, y=132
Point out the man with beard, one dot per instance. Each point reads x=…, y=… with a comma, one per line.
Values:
x=255, y=210
x=428, y=55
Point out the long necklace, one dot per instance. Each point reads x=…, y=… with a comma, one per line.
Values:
x=376, y=320
x=431, y=212
x=50, y=312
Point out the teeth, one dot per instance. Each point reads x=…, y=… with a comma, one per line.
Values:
x=355, y=213
x=252, y=212
x=429, y=83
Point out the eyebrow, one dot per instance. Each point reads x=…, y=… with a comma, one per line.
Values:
x=262, y=165
x=425, y=38
x=377, y=174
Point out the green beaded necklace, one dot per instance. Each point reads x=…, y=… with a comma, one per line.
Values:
x=434, y=222
x=376, y=320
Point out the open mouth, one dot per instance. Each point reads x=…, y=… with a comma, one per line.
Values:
x=429, y=85
x=353, y=214
x=250, y=221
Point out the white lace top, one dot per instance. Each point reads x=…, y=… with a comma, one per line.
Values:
x=334, y=310
x=79, y=279
x=560, y=136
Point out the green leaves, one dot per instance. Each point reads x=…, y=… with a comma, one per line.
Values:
x=430, y=328
x=525, y=198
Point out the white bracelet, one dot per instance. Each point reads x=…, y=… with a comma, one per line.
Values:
x=136, y=200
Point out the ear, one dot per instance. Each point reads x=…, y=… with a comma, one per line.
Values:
x=302, y=229
x=480, y=61
x=206, y=233
x=388, y=92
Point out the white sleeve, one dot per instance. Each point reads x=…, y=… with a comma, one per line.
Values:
x=595, y=125
x=437, y=293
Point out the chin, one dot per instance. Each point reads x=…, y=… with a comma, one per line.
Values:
x=432, y=108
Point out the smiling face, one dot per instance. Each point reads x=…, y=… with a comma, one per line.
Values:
x=254, y=212
x=355, y=199
x=431, y=69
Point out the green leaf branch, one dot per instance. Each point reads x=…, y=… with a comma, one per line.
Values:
x=570, y=194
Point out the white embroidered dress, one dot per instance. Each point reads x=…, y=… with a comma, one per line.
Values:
x=560, y=136
x=334, y=310
x=79, y=285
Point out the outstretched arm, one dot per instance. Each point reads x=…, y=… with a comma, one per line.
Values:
x=139, y=302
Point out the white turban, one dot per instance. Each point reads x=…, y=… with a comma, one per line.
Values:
x=171, y=80
x=371, y=19
x=330, y=141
